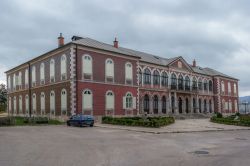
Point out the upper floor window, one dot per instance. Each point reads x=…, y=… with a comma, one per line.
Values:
x=14, y=82
x=205, y=85
x=42, y=73
x=147, y=76
x=33, y=75
x=109, y=100
x=194, y=86
x=173, y=81
x=187, y=83
x=128, y=72
x=87, y=66
x=26, y=78
x=229, y=88
x=156, y=78
x=20, y=79
x=180, y=82
x=210, y=85
x=200, y=84
x=179, y=64
x=9, y=84
x=52, y=70
x=235, y=89
x=222, y=87
x=164, y=79
x=109, y=69
x=87, y=98
x=63, y=67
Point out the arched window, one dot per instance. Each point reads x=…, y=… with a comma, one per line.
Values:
x=109, y=100
x=34, y=103
x=222, y=87
x=164, y=79
x=140, y=77
x=42, y=73
x=42, y=98
x=26, y=78
x=33, y=75
x=9, y=84
x=173, y=81
x=223, y=105
x=235, y=105
x=180, y=82
x=194, y=86
x=210, y=85
x=230, y=105
x=63, y=67
x=87, y=66
x=20, y=105
x=146, y=104
x=109, y=69
x=200, y=84
x=229, y=88
x=52, y=70
x=164, y=105
x=147, y=77
x=52, y=103
x=20, y=80
x=14, y=105
x=205, y=85
x=27, y=104
x=9, y=105
x=187, y=83
x=210, y=106
x=156, y=78
x=64, y=102
x=155, y=104
x=128, y=72
x=128, y=101
x=235, y=89
x=87, y=97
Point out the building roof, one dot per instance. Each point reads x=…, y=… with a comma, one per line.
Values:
x=145, y=57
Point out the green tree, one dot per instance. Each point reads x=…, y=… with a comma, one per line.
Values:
x=3, y=97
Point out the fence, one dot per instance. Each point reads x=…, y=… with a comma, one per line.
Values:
x=244, y=108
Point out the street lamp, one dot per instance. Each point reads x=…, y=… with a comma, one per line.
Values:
x=245, y=103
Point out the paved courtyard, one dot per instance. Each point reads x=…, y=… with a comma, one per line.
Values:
x=71, y=146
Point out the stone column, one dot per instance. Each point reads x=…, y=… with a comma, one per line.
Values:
x=191, y=105
x=197, y=104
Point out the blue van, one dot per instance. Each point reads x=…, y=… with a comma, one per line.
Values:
x=81, y=120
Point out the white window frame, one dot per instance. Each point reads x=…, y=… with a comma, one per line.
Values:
x=26, y=78
x=110, y=100
x=52, y=70
x=42, y=73
x=129, y=101
x=33, y=75
x=63, y=67
x=109, y=68
x=128, y=71
x=87, y=65
x=20, y=104
x=42, y=98
x=229, y=88
x=222, y=87
x=52, y=103
x=87, y=101
x=64, y=102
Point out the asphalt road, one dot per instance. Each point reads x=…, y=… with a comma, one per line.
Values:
x=70, y=146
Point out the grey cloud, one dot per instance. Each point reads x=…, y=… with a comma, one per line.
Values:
x=212, y=32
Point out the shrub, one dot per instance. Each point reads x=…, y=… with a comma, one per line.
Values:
x=7, y=121
x=218, y=115
x=138, y=121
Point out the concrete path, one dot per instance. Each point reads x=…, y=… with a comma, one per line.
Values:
x=180, y=126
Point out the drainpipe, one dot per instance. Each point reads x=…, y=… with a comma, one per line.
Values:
x=76, y=78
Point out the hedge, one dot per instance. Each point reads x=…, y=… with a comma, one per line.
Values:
x=243, y=120
x=139, y=121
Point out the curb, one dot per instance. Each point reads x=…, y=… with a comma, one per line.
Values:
x=166, y=132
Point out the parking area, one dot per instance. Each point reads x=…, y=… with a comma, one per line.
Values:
x=64, y=146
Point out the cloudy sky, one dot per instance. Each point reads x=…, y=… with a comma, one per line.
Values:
x=214, y=32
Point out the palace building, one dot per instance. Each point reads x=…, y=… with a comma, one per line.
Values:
x=90, y=77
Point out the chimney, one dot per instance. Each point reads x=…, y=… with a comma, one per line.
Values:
x=60, y=40
x=194, y=63
x=116, y=43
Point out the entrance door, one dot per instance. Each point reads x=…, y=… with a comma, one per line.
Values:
x=180, y=105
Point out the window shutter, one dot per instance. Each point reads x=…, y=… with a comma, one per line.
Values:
x=124, y=102
x=134, y=102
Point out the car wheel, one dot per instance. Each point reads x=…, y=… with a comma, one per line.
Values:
x=91, y=125
x=68, y=124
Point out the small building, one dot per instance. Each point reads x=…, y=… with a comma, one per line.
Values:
x=90, y=77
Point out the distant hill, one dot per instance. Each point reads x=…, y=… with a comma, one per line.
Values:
x=245, y=98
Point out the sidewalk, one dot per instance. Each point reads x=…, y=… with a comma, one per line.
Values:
x=180, y=126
